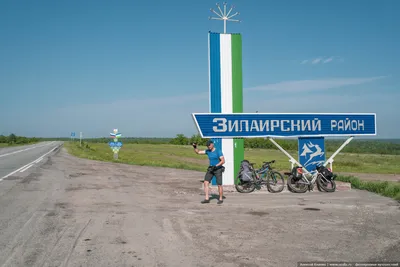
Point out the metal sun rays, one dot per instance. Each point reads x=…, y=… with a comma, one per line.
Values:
x=223, y=15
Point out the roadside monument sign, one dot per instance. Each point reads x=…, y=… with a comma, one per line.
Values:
x=115, y=145
x=227, y=125
x=309, y=128
x=240, y=125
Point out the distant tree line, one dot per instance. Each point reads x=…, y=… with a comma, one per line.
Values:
x=18, y=140
x=391, y=147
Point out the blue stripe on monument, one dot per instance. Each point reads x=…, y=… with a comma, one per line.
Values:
x=215, y=82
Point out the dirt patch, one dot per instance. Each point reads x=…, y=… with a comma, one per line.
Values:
x=61, y=205
x=48, y=163
x=119, y=240
x=121, y=212
x=51, y=213
x=109, y=204
x=12, y=178
x=258, y=213
x=31, y=177
x=85, y=187
x=75, y=175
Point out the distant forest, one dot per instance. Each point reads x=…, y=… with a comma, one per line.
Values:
x=357, y=145
x=13, y=139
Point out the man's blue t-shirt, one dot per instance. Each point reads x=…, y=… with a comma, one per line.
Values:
x=214, y=156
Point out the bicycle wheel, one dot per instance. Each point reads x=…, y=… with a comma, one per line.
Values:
x=274, y=178
x=324, y=183
x=296, y=186
x=245, y=187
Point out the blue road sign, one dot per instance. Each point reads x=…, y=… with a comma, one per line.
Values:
x=115, y=144
x=311, y=152
x=72, y=134
x=238, y=125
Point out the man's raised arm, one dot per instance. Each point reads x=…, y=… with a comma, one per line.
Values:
x=197, y=151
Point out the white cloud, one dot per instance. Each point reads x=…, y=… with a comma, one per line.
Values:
x=316, y=60
x=312, y=85
x=328, y=60
x=321, y=60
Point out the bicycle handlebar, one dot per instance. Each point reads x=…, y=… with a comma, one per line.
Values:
x=269, y=162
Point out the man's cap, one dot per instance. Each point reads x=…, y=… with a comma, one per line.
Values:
x=209, y=142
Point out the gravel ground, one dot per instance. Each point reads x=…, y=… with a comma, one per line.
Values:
x=77, y=212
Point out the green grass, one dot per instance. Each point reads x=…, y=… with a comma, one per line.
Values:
x=384, y=188
x=183, y=157
x=344, y=162
x=14, y=145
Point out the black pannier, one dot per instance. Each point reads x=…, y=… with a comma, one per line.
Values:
x=297, y=172
x=325, y=172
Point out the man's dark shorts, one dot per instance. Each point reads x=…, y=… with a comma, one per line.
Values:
x=217, y=173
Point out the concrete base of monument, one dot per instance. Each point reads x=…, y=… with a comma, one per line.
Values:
x=340, y=186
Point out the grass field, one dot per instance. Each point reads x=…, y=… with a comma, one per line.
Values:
x=384, y=188
x=183, y=157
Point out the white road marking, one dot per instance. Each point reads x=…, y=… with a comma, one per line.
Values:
x=27, y=165
x=38, y=160
x=29, y=148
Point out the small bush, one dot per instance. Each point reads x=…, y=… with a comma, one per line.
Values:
x=392, y=190
x=383, y=188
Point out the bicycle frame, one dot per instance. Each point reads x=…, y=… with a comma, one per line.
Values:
x=314, y=175
x=261, y=172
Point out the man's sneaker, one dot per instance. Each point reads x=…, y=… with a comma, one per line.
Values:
x=220, y=202
x=205, y=201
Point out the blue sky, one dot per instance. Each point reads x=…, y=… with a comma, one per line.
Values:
x=92, y=66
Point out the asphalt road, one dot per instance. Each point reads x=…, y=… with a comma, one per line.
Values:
x=76, y=212
x=22, y=158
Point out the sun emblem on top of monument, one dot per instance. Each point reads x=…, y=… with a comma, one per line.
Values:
x=223, y=15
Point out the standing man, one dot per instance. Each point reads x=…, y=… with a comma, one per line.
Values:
x=216, y=161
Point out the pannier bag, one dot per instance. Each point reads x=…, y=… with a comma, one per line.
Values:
x=325, y=172
x=297, y=172
x=245, y=173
